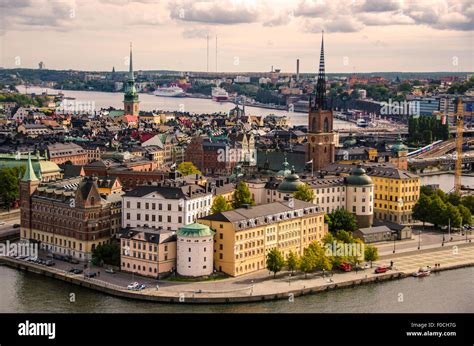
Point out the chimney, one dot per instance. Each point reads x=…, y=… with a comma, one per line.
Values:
x=190, y=190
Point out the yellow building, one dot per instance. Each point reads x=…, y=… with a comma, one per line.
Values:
x=245, y=235
x=396, y=191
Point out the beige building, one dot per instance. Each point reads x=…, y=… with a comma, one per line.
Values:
x=245, y=235
x=148, y=252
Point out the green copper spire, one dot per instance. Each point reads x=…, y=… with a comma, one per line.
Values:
x=130, y=71
x=29, y=172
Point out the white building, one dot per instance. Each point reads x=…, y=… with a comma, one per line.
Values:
x=168, y=206
x=353, y=193
x=195, y=250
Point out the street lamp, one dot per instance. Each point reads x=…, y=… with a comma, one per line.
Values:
x=419, y=239
x=394, y=240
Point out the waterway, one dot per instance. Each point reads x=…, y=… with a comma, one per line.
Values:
x=446, y=181
x=447, y=291
x=150, y=102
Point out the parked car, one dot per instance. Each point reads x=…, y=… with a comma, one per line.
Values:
x=90, y=275
x=133, y=286
x=16, y=225
x=141, y=287
x=75, y=271
x=110, y=271
x=49, y=263
x=346, y=267
x=467, y=227
x=380, y=270
x=32, y=259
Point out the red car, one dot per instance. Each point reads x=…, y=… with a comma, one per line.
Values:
x=346, y=267
x=380, y=270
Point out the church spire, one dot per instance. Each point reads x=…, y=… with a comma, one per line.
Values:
x=320, y=101
x=29, y=172
x=130, y=71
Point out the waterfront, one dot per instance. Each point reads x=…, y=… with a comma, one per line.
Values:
x=193, y=105
x=445, y=181
x=27, y=292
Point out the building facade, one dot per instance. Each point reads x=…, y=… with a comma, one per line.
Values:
x=245, y=235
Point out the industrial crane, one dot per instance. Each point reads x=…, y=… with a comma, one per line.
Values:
x=459, y=140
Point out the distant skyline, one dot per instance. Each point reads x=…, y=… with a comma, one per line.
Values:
x=360, y=35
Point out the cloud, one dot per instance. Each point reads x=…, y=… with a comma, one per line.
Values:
x=223, y=12
x=282, y=18
x=380, y=5
x=196, y=33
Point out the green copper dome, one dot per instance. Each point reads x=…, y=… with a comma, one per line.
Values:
x=290, y=183
x=285, y=170
x=350, y=141
x=195, y=230
x=399, y=146
x=359, y=178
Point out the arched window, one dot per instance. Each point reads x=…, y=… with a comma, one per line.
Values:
x=326, y=125
x=313, y=125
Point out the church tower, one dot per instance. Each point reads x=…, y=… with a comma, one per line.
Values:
x=130, y=100
x=321, y=140
x=28, y=185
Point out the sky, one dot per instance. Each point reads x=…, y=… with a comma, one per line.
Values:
x=252, y=35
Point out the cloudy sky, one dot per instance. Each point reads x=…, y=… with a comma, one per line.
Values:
x=253, y=35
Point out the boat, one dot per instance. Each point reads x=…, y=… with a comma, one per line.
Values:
x=219, y=94
x=422, y=272
x=171, y=91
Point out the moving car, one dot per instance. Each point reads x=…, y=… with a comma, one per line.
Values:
x=49, y=263
x=380, y=270
x=346, y=267
x=110, y=271
x=90, y=275
x=133, y=286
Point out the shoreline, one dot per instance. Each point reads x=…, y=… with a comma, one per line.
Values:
x=248, y=294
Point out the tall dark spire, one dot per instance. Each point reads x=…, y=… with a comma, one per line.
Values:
x=130, y=71
x=320, y=101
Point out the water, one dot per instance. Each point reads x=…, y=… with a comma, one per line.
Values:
x=445, y=181
x=448, y=291
x=150, y=102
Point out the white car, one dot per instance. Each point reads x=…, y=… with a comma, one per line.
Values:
x=133, y=286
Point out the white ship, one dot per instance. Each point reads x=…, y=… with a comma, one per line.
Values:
x=219, y=94
x=171, y=91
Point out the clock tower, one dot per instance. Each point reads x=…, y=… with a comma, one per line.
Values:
x=321, y=140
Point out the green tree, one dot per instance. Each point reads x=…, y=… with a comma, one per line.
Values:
x=9, y=185
x=454, y=198
x=421, y=210
x=344, y=236
x=307, y=262
x=293, y=261
x=220, y=204
x=452, y=216
x=304, y=193
x=371, y=254
x=341, y=219
x=437, y=211
x=242, y=196
x=188, y=168
x=468, y=202
x=466, y=215
x=106, y=254
x=275, y=261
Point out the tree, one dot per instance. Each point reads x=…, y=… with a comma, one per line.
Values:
x=188, y=168
x=293, y=261
x=371, y=254
x=344, y=236
x=341, y=219
x=452, y=216
x=421, y=210
x=465, y=215
x=304, y=193
x=468, y=202
x=307, y=262
x=106, y=253
x=220, y=204
x=437, y=211
x=242, y=196
x=454, y=198
x=275, y=261
x=9, y=185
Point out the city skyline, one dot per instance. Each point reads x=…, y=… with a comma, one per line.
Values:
x=362, y=36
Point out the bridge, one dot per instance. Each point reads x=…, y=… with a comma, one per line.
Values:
x=443, y=148
x=446, y=161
